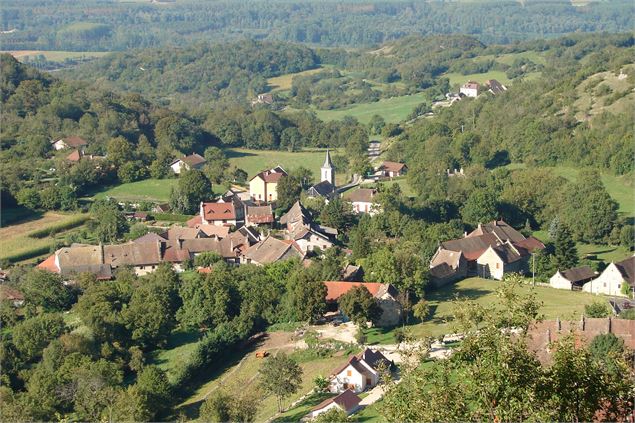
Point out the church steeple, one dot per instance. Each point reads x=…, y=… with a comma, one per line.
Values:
x=328, y=172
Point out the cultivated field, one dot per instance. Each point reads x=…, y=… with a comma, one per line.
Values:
x=17, y=244
x=393, y=110
x=283, y=82
x=54, y=55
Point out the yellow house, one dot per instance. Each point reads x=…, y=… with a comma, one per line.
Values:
x=263, y=186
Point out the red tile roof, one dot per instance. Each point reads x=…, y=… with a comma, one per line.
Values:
x=194, y=222
x=75, y=156
x=347, y=400
x=392, y=166
x=49, y=264
x=260, y=214
x=219, y=211
x=74, y=141
x=336, y=289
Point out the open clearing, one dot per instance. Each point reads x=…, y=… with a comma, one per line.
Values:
x=146, y=190
x=254, y=161
x=393, y=110
x=283, y=82
x=55, y=55
x=15, y=238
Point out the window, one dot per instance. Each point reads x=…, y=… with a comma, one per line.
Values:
x=349, y=373
x=368, y=381
x=498, y=265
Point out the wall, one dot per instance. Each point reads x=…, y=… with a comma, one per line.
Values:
x=609, y=282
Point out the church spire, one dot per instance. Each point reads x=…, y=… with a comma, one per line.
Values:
x=327, y=171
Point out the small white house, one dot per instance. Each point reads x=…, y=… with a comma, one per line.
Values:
x=70, y=142
x=363, y=201
x=613, y=279
x=193, y=161
x=359, y=373
x=347, y=401
x=470, y=89
x=572, y=279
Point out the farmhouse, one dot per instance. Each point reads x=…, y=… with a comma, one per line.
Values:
x=617, y=279
x=495, y=87
x=572, y=279
x=347, y=401
x=491, y=250
x=221, y=214
x=193, y=161
x=392, y=169
x=266, y=98
x=259, y=215
x=470, y=89
x=70, y=142
x=301, y=229
x=386, y=294
x=324, y=189
x=263, y=187
x=363, y=200
x=359, y=372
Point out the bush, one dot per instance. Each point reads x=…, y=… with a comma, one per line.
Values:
x=360, y=336
x=597, y=309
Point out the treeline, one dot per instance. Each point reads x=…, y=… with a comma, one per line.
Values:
x=93, y=25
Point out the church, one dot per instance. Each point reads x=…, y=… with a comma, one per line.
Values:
x=326, y=187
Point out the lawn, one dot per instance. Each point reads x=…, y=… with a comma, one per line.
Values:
x=179, y=346
x=157, y=190
x=16, y=240
x=555, y=303
x=254, y=161
x=395, y=109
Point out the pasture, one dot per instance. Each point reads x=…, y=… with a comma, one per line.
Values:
x=55, y=55
x=157, y=190
x=283, y=82
x=393, y=110
x=253, y=161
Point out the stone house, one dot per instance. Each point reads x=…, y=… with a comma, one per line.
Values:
x=386, y=295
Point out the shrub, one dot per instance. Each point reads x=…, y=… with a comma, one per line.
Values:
x=596, y=309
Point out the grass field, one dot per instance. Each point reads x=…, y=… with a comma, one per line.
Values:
x=393, y=110
x=253, y=161
x=283, y=82
x=508, y=59
x=555, y=303
x=55, y=55
x=146, y=190
x=179, y=346
x=16, y=240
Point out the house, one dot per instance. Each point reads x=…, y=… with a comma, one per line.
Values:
x=572, y=279
x=447, y=266
x=266, y=98
x=301, y=229
x=263, y=187
x=271, y=250
x=70, y=142
x=491, y=250
x=8, y=293
x=392, y=169
x=386, y=295
x=75, y=156
x=221, y=214
x=359, y=373
x=259, y=215
x=615, y=279
x=324, y=189
x=363, y=200
x=161, y=208
x=193, y=161
x=495, y=87
x=470, y=89
x=347, y=401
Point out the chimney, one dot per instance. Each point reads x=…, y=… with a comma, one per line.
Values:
x=582, y=323
x=180, y=241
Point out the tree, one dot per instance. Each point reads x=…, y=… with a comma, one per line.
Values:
x=281, y=376
x=304, y=175
x=606, y=349
x=129, y=405
x=221, y=406
x=288, y=189
x=216, y=408
x=627, y=237
x=360, y=306
x=29, y=198
x=421, y=310
x=207, y=259
x=306, y=295
x=480, y=207
x=192, y=188
x=596, y=309
x=321, y=383
x=154, y=385
x=334, y=415
x=337, y=214
x=119, y=151
x=31, y=336
x=565, y=251
x=217, y=164
x=46, y=290
x=132, y=171
x=110, y=222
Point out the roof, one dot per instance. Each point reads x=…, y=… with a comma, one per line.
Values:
x=393, y=166
x=361, y=195
x=174, y=254
x=49, y=264
x=322, y=189
x=219, y=211
x=530, y=244
x=162, y=208
x=192, y=160
x=578, y=274
x=260, y=214
x=351, y=272
x=501, y=229
x=272, y=249
x=135, y=254
x=471, y=246
x=194, y=222
x=335, y=289
x=177, y=232
x=507, y=252
x=296, y=214
x=68, y=257
x=347, y=400
x=373, y=358
x=74, y=141
x=251, y=236
x=627, y=269
x=495, y=86
x=9, y=293
x=447, y=257
x=354, y=362
x=214, y=230
x=75, y=156
x=150, y=237
x=327, y=160
x=271, y=175
x=471, y=84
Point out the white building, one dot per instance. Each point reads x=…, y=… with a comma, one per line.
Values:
x=347, y=401
x=470, y=89
x=612, y=279
x=572, y=279
x=359, y=373
x=363, y=201
x=193, y=161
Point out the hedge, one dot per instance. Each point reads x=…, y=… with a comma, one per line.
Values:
x=169, y=217
x=62, y=226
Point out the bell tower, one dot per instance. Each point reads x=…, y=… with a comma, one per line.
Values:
x=327, y=170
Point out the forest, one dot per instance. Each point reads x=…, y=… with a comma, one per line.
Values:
x=94, y=25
